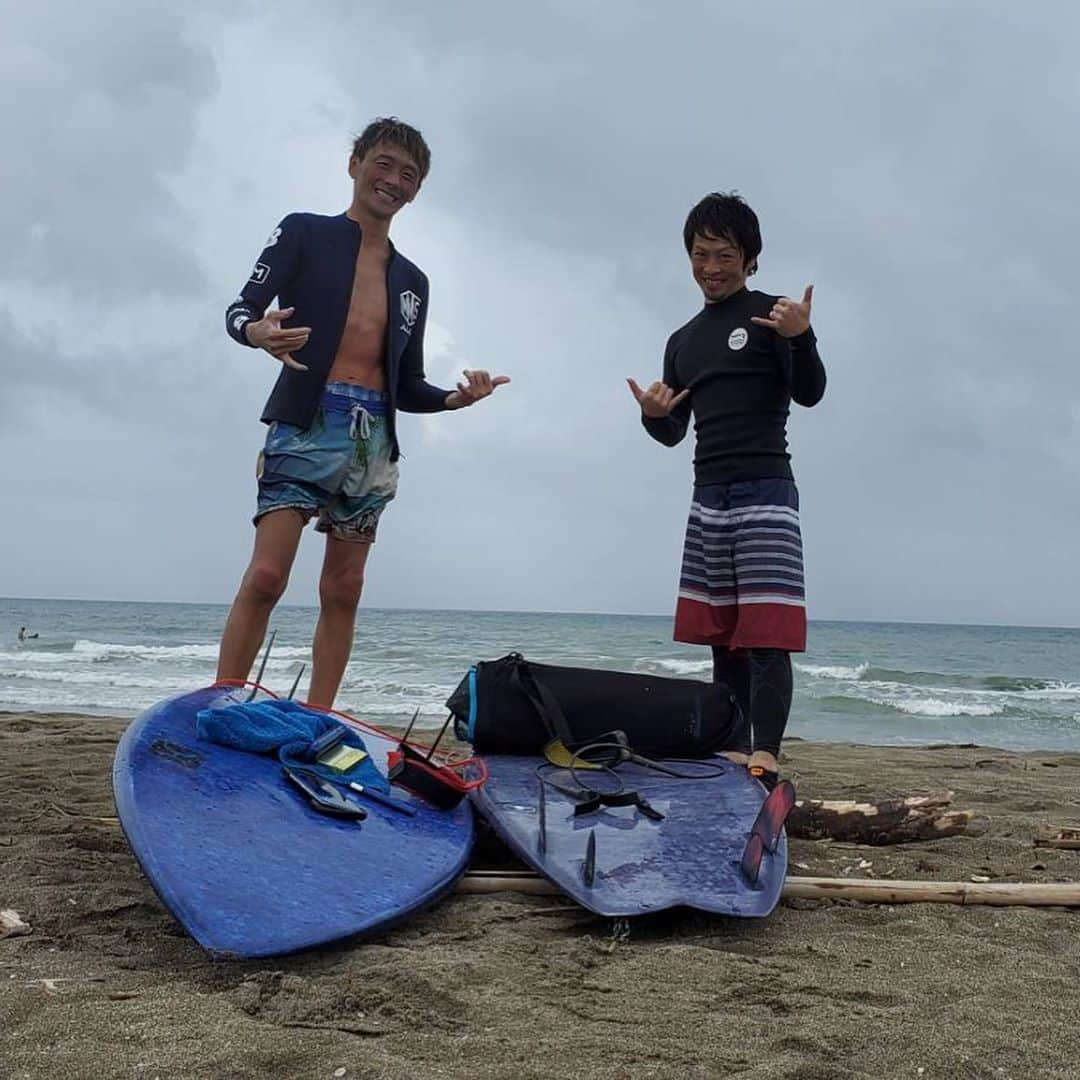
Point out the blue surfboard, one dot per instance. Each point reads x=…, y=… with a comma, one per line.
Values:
x=617, y=862
x=244, y=862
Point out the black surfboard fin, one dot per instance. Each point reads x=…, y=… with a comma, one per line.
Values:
x=296, y=682
x=541, y=836
x=438, y=738
x=262, y=666
x=590, y=859
x=408, y=730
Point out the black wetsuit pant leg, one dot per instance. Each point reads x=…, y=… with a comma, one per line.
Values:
x=762, y=682
x=733, y=671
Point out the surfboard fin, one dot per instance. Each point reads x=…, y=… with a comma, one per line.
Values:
x=296, y=682
x=765, y=832
x=750, y=863
x=262, y=666
x=541, y=836
x=590, y=859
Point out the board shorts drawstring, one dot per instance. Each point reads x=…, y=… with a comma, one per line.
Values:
x=359, y=420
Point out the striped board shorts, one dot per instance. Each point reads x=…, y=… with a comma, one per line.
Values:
x=742, y=572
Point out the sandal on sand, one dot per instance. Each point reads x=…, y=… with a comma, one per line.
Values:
x=766, y=777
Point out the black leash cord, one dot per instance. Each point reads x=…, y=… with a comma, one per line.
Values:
x=623, y=754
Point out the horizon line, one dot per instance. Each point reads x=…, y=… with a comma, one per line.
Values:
x=538, y=611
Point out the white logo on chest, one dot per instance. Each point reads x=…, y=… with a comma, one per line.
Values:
x=410, y=310
x=737, y=338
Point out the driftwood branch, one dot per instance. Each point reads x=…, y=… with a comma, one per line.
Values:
x=1058, y=836
x=997, y=894
x=889, y=821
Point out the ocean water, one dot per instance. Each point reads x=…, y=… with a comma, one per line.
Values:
x=886, y=683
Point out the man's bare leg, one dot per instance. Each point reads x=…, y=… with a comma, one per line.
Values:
x=277, y=537
x=340, y=585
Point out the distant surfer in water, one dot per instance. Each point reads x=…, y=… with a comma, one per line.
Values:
x=735, y=367
x=24, y=636
x=349, y=335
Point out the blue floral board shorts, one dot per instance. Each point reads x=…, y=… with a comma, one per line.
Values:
x=338, y=469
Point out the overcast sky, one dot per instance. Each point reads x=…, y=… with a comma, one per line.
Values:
x=918, y=163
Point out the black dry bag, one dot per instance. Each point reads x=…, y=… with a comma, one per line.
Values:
x=513, y=706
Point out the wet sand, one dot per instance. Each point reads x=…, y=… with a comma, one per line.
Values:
x=107, y=984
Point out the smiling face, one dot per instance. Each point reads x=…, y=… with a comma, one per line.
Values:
x=384, y=180
x=719, y=266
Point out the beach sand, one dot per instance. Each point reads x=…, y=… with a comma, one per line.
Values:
x=108, y=985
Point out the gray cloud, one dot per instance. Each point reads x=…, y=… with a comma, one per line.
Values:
x=99, y=109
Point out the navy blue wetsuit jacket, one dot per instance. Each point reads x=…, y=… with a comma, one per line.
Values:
x=309, y=264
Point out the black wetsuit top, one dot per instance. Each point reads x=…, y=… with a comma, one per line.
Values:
x=309, y=264
x=742, y=378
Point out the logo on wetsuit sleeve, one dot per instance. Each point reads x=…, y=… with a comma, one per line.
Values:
x=274, y=237
x=738, y=338
x=260, y=274
x=410, y=310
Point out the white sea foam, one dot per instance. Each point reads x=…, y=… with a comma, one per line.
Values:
x=86, y=677
x=678, y=667
x=29, y=656
x=100, y=651
x=1057, y=691
x=936, y=706
x=108, y=700
x=833, y=671
x=365, y=705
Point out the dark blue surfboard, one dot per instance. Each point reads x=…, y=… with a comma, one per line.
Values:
x=689, y=859
x=248, y=867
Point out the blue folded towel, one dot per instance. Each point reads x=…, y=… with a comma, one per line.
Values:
x=286, y=728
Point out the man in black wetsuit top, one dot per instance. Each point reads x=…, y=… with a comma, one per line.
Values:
x=735, y=367
x=349, y=334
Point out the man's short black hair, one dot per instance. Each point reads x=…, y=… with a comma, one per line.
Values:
x=725, y=216
x=391, y=129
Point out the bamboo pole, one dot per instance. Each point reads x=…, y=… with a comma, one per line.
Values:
x=475, y=883
x=995, y=894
